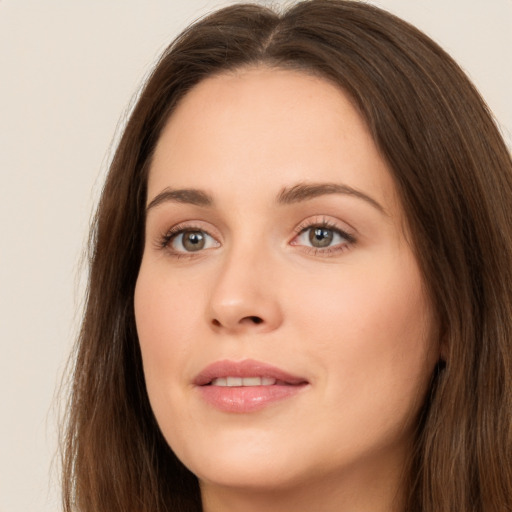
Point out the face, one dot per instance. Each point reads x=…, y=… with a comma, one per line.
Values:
x=284, y=329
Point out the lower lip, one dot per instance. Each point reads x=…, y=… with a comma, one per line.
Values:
x=246, y=399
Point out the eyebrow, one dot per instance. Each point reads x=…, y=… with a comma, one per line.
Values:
x=290, y=195
x=186, y=195
x=307, y=191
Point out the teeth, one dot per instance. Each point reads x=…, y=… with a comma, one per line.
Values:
x=234, y=381
x=245, y=381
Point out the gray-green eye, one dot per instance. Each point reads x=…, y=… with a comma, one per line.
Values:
x=320, y=236
x=192, y=240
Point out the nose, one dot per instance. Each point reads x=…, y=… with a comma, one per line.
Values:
x=244, y=298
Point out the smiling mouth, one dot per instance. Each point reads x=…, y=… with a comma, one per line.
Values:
x=246, y=386
x=245, y=373
x=247, y=381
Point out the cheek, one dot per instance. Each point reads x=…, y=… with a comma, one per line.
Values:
x=166, y=310
x=371, y=329
x=382, y=303
x=166, y=315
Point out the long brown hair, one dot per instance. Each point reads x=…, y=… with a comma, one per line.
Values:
x=454, y=176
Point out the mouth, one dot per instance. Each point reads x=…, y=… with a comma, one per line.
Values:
x=245, y=381
x=246, y=386
x=245, y=373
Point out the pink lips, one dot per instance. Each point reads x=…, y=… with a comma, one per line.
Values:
x=246, y=398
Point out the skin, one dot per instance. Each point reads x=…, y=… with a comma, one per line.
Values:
x=351, y=318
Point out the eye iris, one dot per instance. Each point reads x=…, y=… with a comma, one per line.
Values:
x=320, y=237
x=193, y=240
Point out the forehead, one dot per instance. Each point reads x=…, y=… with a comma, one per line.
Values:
x=260, y=129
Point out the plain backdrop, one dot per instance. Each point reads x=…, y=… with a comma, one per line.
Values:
x=68, y=70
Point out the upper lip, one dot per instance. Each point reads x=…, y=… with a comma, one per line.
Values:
x=245, y=368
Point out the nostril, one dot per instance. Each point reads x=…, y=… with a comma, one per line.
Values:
x=246, y=320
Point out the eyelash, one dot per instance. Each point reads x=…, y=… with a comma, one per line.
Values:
x=349, y=240
x=166, y=238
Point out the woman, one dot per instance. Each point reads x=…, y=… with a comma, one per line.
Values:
x=301, y=279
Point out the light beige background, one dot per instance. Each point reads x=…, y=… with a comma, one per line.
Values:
x=67, y=73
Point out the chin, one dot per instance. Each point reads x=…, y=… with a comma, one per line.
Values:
x=248, y=466
x=244, y=478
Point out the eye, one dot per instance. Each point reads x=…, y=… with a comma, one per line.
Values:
x=190, y=240
x=323, y=237
x=319, y=237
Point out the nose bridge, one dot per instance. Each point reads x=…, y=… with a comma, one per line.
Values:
x=243, y=296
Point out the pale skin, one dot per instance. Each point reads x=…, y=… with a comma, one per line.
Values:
x=271, y=156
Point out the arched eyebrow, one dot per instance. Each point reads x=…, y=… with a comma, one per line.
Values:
x=289, y=195
x=306, y=191
x=185, y=195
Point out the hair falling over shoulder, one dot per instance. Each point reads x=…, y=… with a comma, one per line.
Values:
x=453, y=173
